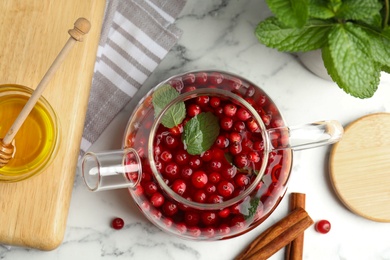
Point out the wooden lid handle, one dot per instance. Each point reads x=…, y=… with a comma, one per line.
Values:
x=81, y=27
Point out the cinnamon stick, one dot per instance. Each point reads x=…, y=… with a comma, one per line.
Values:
x=294, y=250
x=277, y=236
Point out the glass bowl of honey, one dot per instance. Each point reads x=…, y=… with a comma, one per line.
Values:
x=36, y=143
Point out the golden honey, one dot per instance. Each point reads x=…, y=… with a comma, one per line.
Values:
x=36, y=142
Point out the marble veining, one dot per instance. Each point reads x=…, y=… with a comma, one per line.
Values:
x=219, y=34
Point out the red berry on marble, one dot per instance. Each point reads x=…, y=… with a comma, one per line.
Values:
x=117, y=223
x=323, y=226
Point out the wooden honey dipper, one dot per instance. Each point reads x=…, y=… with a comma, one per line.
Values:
x=7, y=144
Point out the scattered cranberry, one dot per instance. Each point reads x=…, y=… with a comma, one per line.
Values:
x=322, y=226
x=117, y=223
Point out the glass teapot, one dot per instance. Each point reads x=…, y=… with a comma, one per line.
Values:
x=206, y=155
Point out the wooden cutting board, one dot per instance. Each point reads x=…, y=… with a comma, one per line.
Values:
x=33, y=212
x=360, y=167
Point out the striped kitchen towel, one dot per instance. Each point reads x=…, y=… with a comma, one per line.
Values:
x=136, y=36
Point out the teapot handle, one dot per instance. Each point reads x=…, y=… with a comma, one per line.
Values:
x=112, y=169
x=305, y=136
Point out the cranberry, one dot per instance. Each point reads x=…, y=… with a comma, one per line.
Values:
x=172, y=171
x=210, y=188
x=179, y=186
x=239, y=126
x=254, y=156
x=235, y=148
x=229, y=172
x=170, y=208
x=207, y=156
x=250, y=91
x=215, y=102
x=215, y=199
x=200, y=196
x=157, y=199
x=202, y=101
x=323, y=226
x=208, y=231
x=222, y=141
x=186, y=172
x=189, y=79
x=150, y=188
x=225, y=188
x=177, y=84
x=243, y=114
x=241, y=180
x=215, y=165
x=182, y=157
x=199, y=179
x=191, y=218
x=209, y=218
x=216, y=78
x=226, y=123
x=230, y=109
x=171, y=142
x=117, y=223
x=166, y=156
x=214, y=177
x=224, y=213
x=201, y=77
x=266, y=119
x=235, y=137
x=176, y=130
x=193, y=110
x=195, y=162
x=252, y=125
x=241, y=160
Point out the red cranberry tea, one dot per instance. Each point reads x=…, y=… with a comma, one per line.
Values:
x=208, y=150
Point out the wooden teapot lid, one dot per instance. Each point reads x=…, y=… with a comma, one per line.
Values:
x=360, y=167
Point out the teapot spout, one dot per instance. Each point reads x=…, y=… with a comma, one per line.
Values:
x=111, y=170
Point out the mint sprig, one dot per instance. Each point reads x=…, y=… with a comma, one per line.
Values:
x=161, y=98
x=200, y=133
x=353, y=35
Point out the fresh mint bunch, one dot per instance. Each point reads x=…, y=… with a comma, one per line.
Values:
x=354, y=37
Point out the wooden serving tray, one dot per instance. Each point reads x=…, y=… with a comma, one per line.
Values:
x=33, y=212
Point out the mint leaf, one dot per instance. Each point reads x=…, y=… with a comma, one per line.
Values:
x=348, y=61
x=254, y=203
x=200, y=133
x=319, y=9
x=161, y=98
x=274, y=34
x=290, y=12
x=379, y=46
x=358, y=9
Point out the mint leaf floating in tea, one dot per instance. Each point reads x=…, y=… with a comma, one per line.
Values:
x=254, y=203
x=161, y=98
x=200, y=133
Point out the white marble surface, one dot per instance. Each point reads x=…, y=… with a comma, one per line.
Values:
x=220, y=34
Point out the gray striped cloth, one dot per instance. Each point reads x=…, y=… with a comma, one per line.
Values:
x=136, y=36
